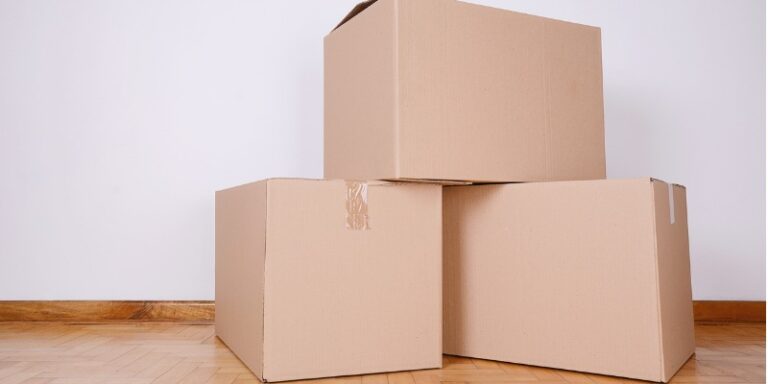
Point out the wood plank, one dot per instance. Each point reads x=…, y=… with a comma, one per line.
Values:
x=100, y=311
x=50, y=352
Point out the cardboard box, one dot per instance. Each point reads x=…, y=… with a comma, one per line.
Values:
x=325, y=278
x=446, y=90
x=589, y=276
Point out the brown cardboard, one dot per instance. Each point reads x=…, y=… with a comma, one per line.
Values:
x=589, y=276
x=326, y=278
x=446, y=90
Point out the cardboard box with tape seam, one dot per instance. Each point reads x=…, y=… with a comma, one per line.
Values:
x=444, y=90
x=589, y=276
x=318, y=278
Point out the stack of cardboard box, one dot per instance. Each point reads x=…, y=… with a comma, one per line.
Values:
x=494, y=235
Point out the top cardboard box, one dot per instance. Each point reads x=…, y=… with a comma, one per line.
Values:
x=445, y=90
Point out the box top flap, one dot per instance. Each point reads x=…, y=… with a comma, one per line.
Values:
x=354, y=12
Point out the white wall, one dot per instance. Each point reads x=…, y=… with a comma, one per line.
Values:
x=118, y=120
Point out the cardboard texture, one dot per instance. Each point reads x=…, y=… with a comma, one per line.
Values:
x=590, y=276
x=446, y=90
x=327, y=278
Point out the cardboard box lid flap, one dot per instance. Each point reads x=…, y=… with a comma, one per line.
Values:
x=354, y=12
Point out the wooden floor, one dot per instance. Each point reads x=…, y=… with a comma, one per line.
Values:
x=177, y=353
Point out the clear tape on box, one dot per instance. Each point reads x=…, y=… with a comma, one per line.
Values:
x=357, y=205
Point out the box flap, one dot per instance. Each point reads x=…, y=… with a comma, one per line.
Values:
x=354, y=12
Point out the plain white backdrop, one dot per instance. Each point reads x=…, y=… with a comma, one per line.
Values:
x=119, y=119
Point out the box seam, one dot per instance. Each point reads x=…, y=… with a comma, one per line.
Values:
x=396, y=111
x=602, y=100
x=547, y=118
x=657, y=277
x=440, y=286
x=264, y=280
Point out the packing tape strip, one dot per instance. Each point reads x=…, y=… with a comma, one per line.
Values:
x=357, y=205
x=671, y=189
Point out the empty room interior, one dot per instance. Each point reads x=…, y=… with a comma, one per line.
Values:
x=382, y=191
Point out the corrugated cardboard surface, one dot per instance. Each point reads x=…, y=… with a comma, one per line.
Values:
x=566, y=275
x=360, y=96
x=440, y=89
x=240, y=243
x=341, y=301
x=674, y=277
